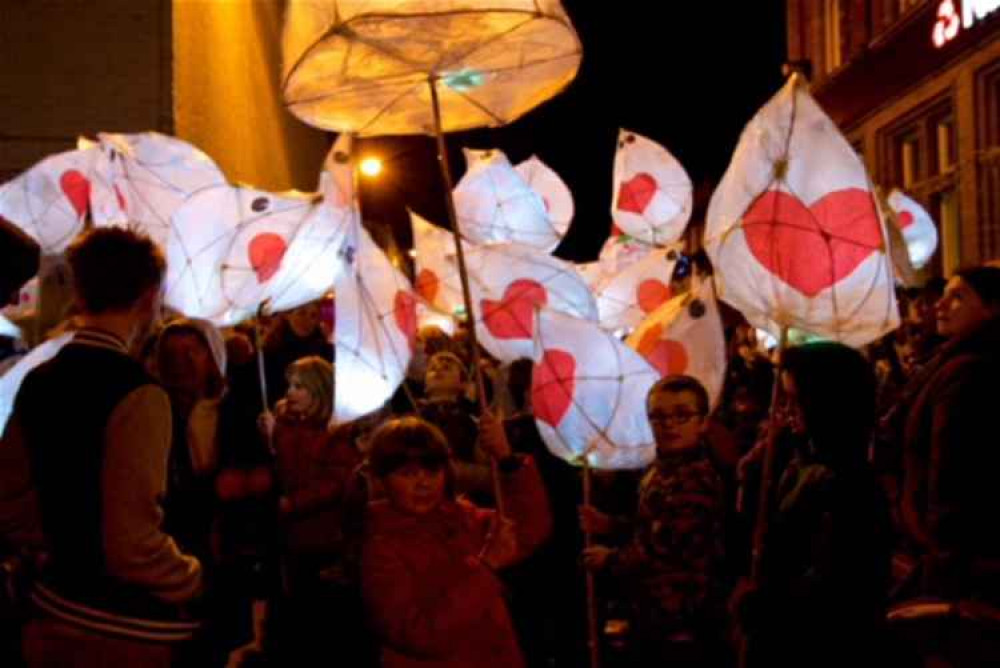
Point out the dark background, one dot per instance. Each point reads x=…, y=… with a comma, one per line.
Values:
x=688, y=74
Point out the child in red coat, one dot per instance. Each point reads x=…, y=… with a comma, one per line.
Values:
x=314, y=463
x=429, y=561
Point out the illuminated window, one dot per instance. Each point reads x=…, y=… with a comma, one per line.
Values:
x=945, y=146
x=833, y=43
x=908, y=156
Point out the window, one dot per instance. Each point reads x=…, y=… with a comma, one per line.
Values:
x=988, y=161
x=907, y=157
x=944, y=209
x=919, y=154
x=832, y=39
x=944, y=146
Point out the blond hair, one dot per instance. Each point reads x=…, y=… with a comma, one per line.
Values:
x=316, y=375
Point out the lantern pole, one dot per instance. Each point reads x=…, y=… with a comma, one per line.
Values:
x=262, y=376
x=766, y=480
x=462, y=273
x=593, y=638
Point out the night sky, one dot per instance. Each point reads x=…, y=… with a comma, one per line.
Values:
x=689, y=75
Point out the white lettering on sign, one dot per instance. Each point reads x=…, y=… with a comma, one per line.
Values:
x=977, y=10
x=950, y=21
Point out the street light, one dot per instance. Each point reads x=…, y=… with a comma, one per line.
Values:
x=371, y=167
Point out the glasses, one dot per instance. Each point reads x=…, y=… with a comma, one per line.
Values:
x=680, y=417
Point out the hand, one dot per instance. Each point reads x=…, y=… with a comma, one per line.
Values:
x=501, y=544
x=595, y=558
x=266, y=423
x=594, y=521
x=751, y=458
x=492, y=437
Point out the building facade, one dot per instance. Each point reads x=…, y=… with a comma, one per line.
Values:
x=915, y=86
x=207, y=72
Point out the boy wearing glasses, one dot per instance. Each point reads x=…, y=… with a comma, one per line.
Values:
x=672, y=561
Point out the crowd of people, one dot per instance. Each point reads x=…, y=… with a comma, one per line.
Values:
x=165, y=500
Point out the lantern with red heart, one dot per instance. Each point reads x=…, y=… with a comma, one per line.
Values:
x=652, y=192
x=588, y=394
x=376, y=327
x=685, y=336
x=51, y=200
x=437, y=280
x=630, y=296
x=508, y=282
x=794, y=231
x=919, y=231
x=226, y=245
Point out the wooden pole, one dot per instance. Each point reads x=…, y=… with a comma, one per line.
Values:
x=593, y=635
x=766, y=482
x=463, y=275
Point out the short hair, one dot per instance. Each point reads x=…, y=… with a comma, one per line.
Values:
x=113, y=268
x=985, y=282
x=405, y=440
x=316, y=375
x=676, y=384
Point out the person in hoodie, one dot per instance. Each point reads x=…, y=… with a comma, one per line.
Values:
x=429, y=562
x=191, y=363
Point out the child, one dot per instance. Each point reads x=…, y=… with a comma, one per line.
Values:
x=448, y=408
x=314, y=463
x=674, y=556
x=429, y=562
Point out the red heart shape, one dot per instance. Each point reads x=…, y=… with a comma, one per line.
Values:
x=513, y=317
x=405, y=312
x=813, y=248
x=76, y=188
x=266, y=251
x=427, y=284
x=634, y=195
x=651, y=293
x=665, y=355
x=905, y=219
x=552, y=385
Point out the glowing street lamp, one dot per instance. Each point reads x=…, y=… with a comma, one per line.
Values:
x=371, y=167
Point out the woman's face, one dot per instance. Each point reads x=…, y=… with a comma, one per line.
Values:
x=415, y=489
x=960, y=309
x=300, y=399
x=792, y=410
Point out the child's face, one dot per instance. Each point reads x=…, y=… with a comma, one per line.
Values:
x=415, y=489
x=443, y=376
x=299, y=399
x=676, y=420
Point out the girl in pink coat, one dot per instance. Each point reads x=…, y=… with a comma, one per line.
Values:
x=429, y=562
